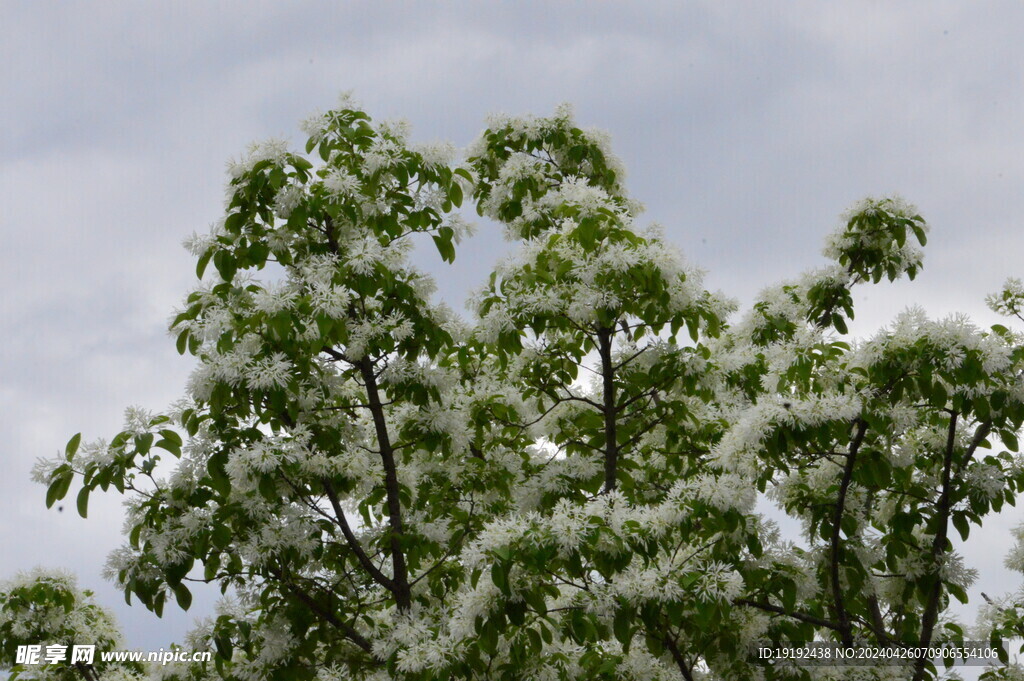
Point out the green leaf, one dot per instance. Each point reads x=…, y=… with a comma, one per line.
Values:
x=221, y=536
x=920, y=234
x=170, y=441
x=499, y=575
x=268, y=488
x=171, y=435
x=51, y=493
x=133, y=536
x=535, y=600
x=190, y=421
x=211, y=566
x=516, y=612
x=59, y=488
x=143, y=443
x=226, y=265
x=957, y=592
x=183, y=596
x=223, y=644
x=445, y=247
x=455, y=194
x=72, y=446
x=489, y=638
x=83, y=502
x=203, y=261
x=789, y=594
x=962, y=525
x=182, y=343
x=219, y=479
x=234, y=223
x=622, y=626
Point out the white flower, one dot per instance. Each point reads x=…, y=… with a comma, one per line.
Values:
x=1010, y=300
x=269, y=372
x=436, y=154
x=348, y=101
x=726, y=492
x=986, y=480
x=197, y=244
x=286, y=201
x=340, y=184
x=399, y=128
x=717, y=581
x=382, y=154
x=314, y=125
x=136, y=420
x=1015, y=558
x=274, y=298
x=275, y=150
x=331, y=300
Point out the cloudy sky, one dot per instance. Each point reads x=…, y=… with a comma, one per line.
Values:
x=746, y=128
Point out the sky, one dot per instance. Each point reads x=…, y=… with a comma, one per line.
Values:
x=746, y=129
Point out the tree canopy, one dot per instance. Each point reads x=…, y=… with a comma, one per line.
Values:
x=564, y=486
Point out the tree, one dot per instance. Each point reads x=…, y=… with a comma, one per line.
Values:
x=564, y=487
x=47, y=608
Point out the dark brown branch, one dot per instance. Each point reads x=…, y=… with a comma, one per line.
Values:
x=569, y=397
x=654, y=423
x=809, y=619
x=677, y=656
x=352, y=407
x=943, y=508
x=347, y=629
x=332, y=239
x=838, y=599
x=88, y=672
x=353, y=541
x=403, y=597
x=877, y=621
x=335, y=355
x=979, y=436
x=634, y=355
x=611, y=446
x=647, y=394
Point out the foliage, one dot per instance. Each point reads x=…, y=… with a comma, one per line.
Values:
x=564, y=488
x=45, y=608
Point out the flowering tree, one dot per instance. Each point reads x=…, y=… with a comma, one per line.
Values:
x=48, y=607
x=565, y=487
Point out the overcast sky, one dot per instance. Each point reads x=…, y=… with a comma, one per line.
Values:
x=746, y=129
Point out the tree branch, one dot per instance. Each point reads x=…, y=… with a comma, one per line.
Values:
x=403, y=597
x=836, y=541
x=809, y=619
x=611, y=446
x=944, y=506
x=677, y=656
x=353, y=541
x=347, y=629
